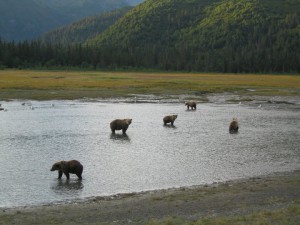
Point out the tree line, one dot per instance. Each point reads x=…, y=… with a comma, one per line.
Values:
x=272, y=47
x=260, y=58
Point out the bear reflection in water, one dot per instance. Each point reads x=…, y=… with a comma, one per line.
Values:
x=122, y=137
x=169, y=126
x=64, y=186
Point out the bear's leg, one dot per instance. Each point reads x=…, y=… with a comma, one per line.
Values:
x=79, y=176
x=113, y=131
x=67, y=175
x=60, y=173
x=124, y=130
x=172, y=123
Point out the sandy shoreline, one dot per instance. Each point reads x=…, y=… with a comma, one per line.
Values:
x=233, y=198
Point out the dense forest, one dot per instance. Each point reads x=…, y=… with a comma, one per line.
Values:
x=261, y=36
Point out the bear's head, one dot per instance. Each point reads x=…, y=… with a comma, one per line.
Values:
x=128, y=121
x=56, y=166
x=174, y=117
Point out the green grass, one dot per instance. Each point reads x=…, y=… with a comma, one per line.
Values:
x=43, y=85
x=287, y=216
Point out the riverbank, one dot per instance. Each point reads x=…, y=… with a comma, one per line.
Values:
x=70, y=85
x=260, y=200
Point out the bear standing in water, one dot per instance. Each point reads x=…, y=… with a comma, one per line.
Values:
x=191, y=104
x=67, y=167
x=169, y=119
x=120, y=125
x=234, y=126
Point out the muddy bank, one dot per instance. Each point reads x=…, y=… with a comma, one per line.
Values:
x=292, y=102
x=234, y=198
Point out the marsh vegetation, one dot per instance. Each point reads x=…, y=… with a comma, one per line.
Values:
x=43, y=85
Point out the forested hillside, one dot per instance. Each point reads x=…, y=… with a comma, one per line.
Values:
x=228, y=35
x=190, y=35
x=84, y=29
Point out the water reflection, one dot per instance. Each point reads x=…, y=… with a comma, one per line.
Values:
x=197, y=150
x=170, y=126
x=122, y=137
x=67, y=187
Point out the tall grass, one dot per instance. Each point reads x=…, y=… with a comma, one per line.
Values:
x=78, y=84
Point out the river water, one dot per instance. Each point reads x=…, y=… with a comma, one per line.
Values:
x=197, y=150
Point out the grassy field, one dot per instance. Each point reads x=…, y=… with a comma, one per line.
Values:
x=44, y=85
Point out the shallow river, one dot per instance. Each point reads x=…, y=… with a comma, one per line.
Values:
x=197, y=150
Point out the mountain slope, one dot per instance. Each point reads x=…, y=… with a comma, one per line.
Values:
x=27, y=19
x=78, y=9
x=193, y=35
x=152, y=22
x=157, y=21
x=24, y=19
x=208, y=34
x=134, y=2
x=80, y=31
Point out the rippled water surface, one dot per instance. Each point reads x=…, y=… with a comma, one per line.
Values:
x=197, y=150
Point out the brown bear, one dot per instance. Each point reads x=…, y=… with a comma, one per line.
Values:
x=169, y=119
x=191, y=104
x=234, y=126
x=119, y=124
x=67, y=167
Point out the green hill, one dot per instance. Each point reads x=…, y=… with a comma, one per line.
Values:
x=208, y=34
x=193, y=35
x=80, y=31
x=152, y=22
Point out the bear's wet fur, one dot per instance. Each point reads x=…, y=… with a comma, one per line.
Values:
x=67, y=167
x=234, y=126
x=191, y=104
x=120, y=124
x=169, y=119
